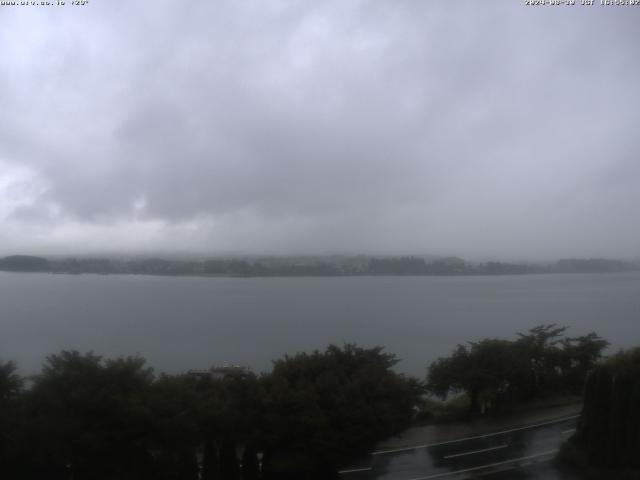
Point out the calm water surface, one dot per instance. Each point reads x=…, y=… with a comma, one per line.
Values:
x=181, y=323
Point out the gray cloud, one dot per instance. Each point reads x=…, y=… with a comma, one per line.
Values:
x=467, y=128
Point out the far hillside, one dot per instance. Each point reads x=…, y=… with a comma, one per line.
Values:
x=310, y=266
x=24, y=263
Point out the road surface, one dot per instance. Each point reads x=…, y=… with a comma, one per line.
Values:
x=519, y=450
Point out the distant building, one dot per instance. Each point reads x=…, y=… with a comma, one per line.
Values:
x=218, y=372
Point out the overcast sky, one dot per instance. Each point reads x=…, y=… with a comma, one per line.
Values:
x=480, y=129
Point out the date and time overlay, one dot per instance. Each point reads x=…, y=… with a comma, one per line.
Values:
x=528, y=3
x=582, y=3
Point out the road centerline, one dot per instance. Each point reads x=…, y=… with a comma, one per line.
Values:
x=355, y=470
x=489, y=465
x=455, y=455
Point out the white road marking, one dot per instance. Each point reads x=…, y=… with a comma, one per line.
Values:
x=568, y=431
x=476, y=451
x=497, y=464
x=355, y=470
x=475, y=437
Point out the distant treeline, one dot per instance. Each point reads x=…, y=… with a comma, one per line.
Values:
x=306, y=266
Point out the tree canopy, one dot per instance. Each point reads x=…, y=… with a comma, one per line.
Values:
x=86, y=417
x=495, y=373
x=609, y=427
x=90, y=418
x=328, y=406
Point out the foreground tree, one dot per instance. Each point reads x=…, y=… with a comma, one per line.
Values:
x=250, y=464
x=495, y=373
x=88, y=420
x=324, y=408
x=11, y=428
x=177, y=428
x=609, y=428
x=488, y=371
x=10, y=382
x=210, y=463
x=579, y=356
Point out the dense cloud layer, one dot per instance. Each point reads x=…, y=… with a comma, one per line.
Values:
x=469, y=128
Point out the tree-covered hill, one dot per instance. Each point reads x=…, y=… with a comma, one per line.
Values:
x=24, y=263
x=311, y=266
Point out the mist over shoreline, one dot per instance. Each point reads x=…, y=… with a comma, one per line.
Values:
x=322, y=266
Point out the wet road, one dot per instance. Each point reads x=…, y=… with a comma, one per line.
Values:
x=509, y=450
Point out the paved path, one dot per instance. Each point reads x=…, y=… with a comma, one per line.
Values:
x=514, y=448
x=451, y=431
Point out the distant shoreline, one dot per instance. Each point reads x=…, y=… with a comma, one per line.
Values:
x=269, y=267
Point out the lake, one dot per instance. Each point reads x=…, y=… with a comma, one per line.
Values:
x=179, y=323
